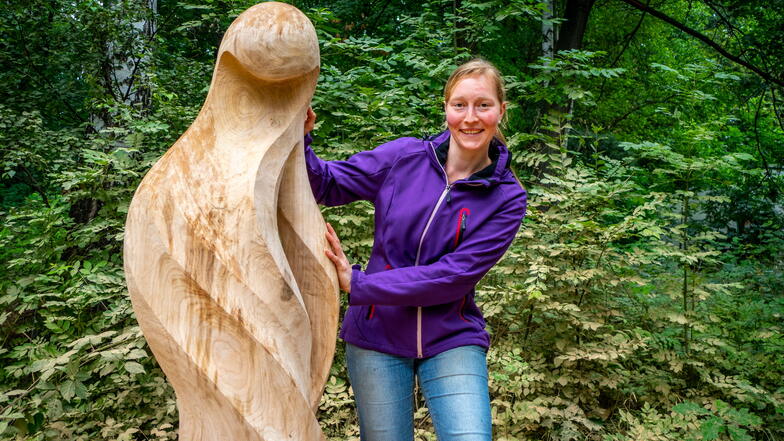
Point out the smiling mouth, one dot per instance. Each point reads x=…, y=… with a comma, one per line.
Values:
x=471, y=131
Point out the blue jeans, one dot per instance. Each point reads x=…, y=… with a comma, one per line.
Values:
x=453, y=382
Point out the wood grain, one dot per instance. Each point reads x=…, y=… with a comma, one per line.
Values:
x=224, y=245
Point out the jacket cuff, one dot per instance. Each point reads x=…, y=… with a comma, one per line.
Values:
x=356, y=275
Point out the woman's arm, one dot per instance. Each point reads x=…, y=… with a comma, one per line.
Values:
x=357, y=178
x=449, y=278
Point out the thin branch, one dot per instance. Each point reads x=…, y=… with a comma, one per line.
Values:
x=128, y=46
x=379, y=15
x=736, y=32
x=627, y=41
x=734, y=29
x=629, y=38
x=34, y=184
x=618, y=119
x=131, y=79
x=702, y=37
x=107, y=69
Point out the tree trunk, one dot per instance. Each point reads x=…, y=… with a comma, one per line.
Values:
x=572, y=31
x=548, y=30
x=569, y=35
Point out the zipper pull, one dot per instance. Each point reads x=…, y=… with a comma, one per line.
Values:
x=461, y=229
x=448, y=194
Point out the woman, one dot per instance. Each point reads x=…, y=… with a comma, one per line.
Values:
x=446, y=209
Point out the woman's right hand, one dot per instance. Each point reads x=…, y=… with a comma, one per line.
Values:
x=310, y=120
x=338, y=257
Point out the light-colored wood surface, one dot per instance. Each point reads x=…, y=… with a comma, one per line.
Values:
x=224, y=245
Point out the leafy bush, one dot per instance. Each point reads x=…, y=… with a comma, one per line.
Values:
x=639, y=301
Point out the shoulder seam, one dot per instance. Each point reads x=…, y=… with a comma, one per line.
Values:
x=507, y=197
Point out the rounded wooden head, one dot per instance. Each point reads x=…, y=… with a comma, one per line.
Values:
x=273, y=42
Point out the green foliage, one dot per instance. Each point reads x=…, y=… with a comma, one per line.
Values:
x=75, y=365
x=640, y=301
x=690, y=421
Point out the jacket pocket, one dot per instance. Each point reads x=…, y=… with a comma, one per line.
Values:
x=372, y=309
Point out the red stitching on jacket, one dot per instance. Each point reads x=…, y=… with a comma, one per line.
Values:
x=460, y=311
x=373, y=307
x=459, y=221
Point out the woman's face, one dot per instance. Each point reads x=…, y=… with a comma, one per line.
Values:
x=473, y=113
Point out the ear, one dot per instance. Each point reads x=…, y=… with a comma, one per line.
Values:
x=503, y=111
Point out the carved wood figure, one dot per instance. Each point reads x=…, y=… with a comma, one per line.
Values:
x=224, y=245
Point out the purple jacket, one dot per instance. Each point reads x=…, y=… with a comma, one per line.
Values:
x=433, y=242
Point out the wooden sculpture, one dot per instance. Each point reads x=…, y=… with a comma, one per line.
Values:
x=224, y=245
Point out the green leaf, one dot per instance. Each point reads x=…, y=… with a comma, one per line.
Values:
x=136, y=354
x=711, y=428
x=80, y=389
x=134, y=368
x=107, y=369
x=738, y=434
x=68, y=390
x=742, y=417
x=41, y=365
x=688, y=407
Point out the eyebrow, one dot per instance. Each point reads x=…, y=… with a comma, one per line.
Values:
x=459, y=97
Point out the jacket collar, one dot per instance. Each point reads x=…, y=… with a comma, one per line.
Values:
x=492, y=174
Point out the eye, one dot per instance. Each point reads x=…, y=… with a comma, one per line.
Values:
x=458, y=105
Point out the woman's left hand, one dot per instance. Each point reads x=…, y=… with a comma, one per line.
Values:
x=338, y=258
x=310, y=120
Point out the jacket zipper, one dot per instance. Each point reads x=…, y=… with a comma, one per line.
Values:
x=444, y=194
x=461, y=229
x=461, y=226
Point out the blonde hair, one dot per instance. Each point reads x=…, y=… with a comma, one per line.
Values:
x=478, y=66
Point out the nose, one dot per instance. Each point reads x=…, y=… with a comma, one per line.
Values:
x=471, y=114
